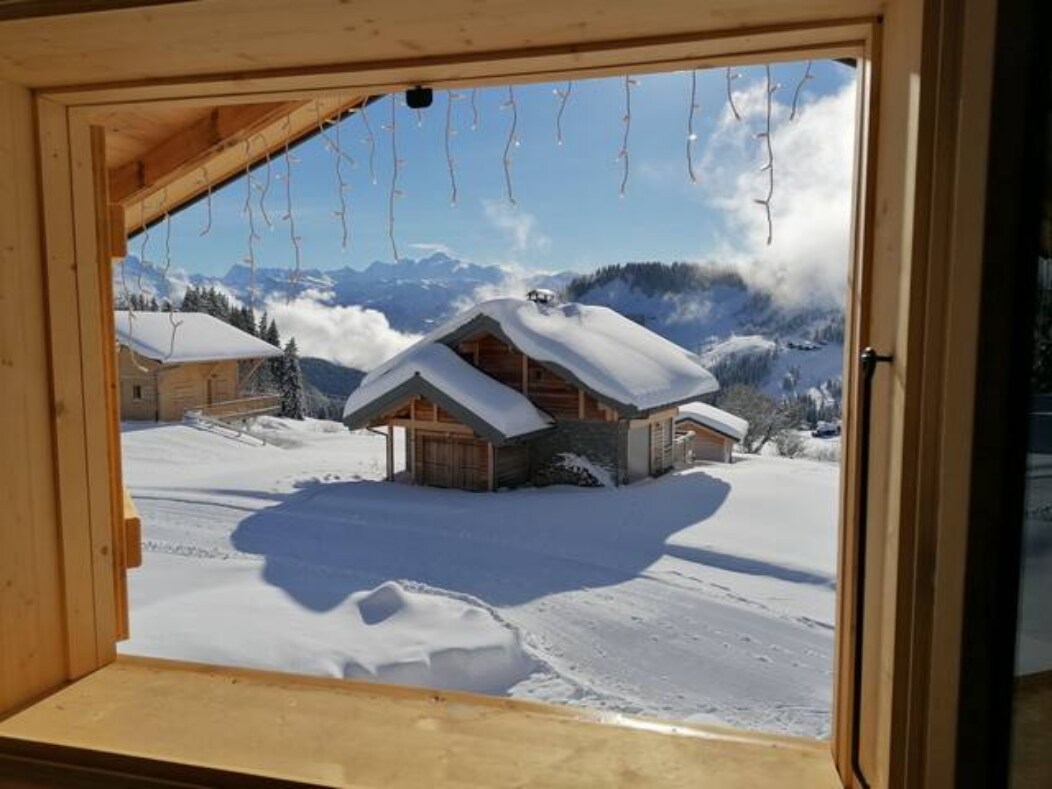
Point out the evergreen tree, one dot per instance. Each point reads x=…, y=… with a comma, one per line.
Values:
x=293, y=399
x=261, y=329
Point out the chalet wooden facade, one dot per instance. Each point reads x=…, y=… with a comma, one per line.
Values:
x=712, y=431
x=168, y=366
x=446, y=389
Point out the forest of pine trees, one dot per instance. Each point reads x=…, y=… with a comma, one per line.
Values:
x=653, y=278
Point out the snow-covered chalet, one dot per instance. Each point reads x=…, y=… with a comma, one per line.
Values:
x=171, y=363
x=499, y=394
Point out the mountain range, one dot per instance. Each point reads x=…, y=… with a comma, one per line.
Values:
x=741, y=333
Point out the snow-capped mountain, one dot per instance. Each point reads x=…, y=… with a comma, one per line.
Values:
x=742, y=334
x=413, y=294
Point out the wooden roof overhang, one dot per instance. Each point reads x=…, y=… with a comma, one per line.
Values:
x=160, y=158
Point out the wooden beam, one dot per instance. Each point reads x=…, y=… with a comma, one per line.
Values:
x=211, y=151
x=390, y=450
x=433, y=426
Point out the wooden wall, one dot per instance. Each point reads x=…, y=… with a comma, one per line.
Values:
x=710, y=445
x=32, y=624
x=135, y=371
x=186, y=386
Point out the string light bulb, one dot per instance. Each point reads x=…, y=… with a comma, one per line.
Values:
x=691, y=135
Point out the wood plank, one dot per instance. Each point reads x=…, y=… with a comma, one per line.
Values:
x=237, y=37
x=97, y=347
x=192, y=145
x=219, y=148
x=433, y=426
x=32, y=619
x=284, y=725
x=67, y=390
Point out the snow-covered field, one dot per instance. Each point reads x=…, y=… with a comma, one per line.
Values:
x=707, y=594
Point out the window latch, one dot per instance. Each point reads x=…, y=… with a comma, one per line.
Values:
x=868, y=361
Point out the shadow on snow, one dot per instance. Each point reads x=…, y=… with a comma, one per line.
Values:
x=323, y=543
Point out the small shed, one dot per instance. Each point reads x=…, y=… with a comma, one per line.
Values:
x=715, y=431
x=171, y=363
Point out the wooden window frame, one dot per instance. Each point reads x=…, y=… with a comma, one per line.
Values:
x=912, y=232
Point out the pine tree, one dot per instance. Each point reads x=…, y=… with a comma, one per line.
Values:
x=293, y=399
x=261, y=329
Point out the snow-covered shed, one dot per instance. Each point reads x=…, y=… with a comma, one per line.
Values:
x=493, y=397
x=171, y=363
x=715, y=431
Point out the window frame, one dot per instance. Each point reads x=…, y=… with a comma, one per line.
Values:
x=888, y=278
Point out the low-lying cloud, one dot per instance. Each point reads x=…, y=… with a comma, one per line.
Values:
x=807, y=260
x=352, y=336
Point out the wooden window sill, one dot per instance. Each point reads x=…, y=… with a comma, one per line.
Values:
x=337, y=733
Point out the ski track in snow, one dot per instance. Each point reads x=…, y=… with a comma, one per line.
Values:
x=744, y=640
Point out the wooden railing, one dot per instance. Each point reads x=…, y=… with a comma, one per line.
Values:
x=258, y=405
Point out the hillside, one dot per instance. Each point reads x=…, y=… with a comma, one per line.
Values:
x=742, y=335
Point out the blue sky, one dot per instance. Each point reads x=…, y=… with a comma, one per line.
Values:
x=568, y=212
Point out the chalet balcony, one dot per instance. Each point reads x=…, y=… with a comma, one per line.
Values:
x=242, y=408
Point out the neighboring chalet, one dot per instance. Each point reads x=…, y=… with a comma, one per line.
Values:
x=498, y=393
x=714, y=431
x=171, y=363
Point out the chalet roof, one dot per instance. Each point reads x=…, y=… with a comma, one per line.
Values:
x=181, y=337
x=611, y=357
x=714, y=419
x=431, y=370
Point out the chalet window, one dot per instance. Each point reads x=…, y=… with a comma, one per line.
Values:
x=136, y=391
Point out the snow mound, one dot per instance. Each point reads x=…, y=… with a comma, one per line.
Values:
x=382, y=603
x=737, y=345
x=420, y=638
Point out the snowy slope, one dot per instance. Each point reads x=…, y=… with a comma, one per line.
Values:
x=704, y=594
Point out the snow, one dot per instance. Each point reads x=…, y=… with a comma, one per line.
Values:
x=715, y=418
x=187, y=337
x=614, y=357
x=497, y=405
x=705, y=594
x=737, y=345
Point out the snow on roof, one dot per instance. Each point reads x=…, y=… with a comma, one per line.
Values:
x=712, y=417
x=615, y=358
x=499, y=406
x=197, y=337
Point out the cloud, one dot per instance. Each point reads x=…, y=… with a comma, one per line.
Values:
x=807, y=260
x=520, y=225
x=431, y=248
x=352, y=336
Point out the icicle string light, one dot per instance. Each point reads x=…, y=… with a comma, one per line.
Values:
x=395, y=167
x=332, y=144
x=623, y=155
x=512, y=140
x=247, y=210
x=474, y=109
x=799, y=86
x=765, y=135
x=289, y=216
x=208, y=200
x=564, y=96
x=370, y=140
x=450, y=164
x=142, y=246
x=731, y=76
x=691, y=135
x=266, y=184
x=164, y=274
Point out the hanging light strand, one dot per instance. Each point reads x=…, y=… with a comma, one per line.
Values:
x=266, y=184
x=370, y=140
x=623, y=154
x=208, y=200
x=807, y=77
x=474, y=109
x=289, y=216
x=731, y=76
x=511, y=141
x=247, y=210
x=564, y=96
x=332, y=144
x=691, y=135
x=164, y=274
x=450, y=163
x=394, y=193
x=765, y=135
